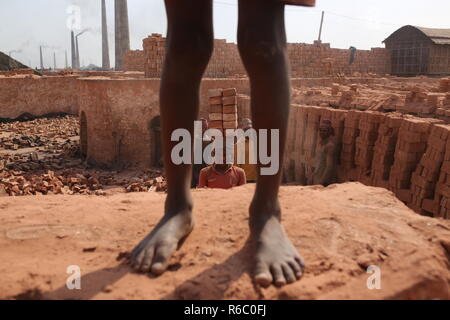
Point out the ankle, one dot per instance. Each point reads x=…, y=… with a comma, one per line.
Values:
x=263, y=211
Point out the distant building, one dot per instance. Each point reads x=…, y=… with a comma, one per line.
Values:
x=419, y=51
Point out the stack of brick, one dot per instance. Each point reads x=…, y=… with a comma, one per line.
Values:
x=384, y=150
x=225, y=61
x=443, y=112
x=307, y=60
x=365, y=143
x=415, y=98
x=431, y=104
x=442, y=195
x=154, y=51
x=223, y=109
x=411, y=145
x=444, y=85
x=134, y=60
x=347, y=171
x=426, y=175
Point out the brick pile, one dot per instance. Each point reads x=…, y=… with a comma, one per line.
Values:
x=427, y=173
x=154, y=52
x=223, y=109
x=307, y=60
x=443, y=112
x=347, y=170
x=134, y=60
x=411, y=145
x=225, y=61
x=384, y=149
x=369, y=124
x=442, y=195
x=444, y=85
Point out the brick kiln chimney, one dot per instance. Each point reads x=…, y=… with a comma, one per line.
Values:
x=74, y=52
x=54, y=60
x=77, y=54
x=122, y=31
x=105, y=45
x=42, y=59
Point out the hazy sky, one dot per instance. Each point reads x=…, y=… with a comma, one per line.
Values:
x=26, y=24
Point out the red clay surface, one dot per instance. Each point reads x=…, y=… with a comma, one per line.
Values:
x=340, y=231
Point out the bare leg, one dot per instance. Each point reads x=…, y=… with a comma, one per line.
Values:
x=189, y=47
x=262, y=45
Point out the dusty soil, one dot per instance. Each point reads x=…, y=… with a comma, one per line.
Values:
x=340, y=231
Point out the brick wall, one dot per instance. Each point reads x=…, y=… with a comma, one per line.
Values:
x=307, y=60
x=134, y=60
x=408, y=155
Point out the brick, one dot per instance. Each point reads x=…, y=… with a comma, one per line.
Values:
x=216, y=124
x=215, y=100
x=215, y=93
x=215, y=116
x=216, y=108
x=229, y=92
x=230, y=124
x=229, y=117
x=226, y=101
x=230, y=109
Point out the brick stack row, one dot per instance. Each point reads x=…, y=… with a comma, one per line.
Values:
x=365, y=143
x=223, y=109
x=427, y=173
x=154, y=51
x=347, y=170
x=134, y=60
x=442, y=195
x=225, y=61
x=384, y=150
x=411, y=145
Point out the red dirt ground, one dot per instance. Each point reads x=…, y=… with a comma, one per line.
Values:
x=340, y=230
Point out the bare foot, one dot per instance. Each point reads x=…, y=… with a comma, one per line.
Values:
x=154, y=252
x=276, y=259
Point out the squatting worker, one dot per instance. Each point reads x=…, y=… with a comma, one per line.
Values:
x=263, y=49
x=325, y=161
x=222, y=176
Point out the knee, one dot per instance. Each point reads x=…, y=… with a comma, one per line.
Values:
x=190, y=48
x=261, y=50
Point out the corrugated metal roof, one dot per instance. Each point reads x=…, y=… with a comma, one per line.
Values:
x=438, y=36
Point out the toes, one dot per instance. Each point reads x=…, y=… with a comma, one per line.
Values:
x=263, y=276
x=296, y=268
x=288, y=273
x=300, y=262
x=278, y=276
x=162, y=257
x=147, y=261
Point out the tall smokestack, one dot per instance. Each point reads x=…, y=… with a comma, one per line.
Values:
x=105, y=45
x=66, y=59
x=74, y=52
x=42, y=59
x=77, y=53
x=54, y=60
x=122, y=31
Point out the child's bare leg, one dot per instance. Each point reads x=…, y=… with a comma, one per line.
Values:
x=262, y=45
x=189, y=47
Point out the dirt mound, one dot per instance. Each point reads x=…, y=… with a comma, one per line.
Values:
x=340, y=230
x=7, y=63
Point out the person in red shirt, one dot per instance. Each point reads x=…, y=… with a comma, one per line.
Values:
x=221, y=176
